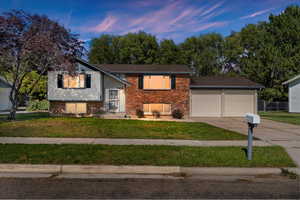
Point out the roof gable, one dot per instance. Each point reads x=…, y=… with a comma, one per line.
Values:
x=291, y=80
x=5, y=82
x=83, y=62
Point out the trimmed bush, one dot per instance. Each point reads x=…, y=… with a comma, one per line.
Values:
x=38, y=105
x=177, y=114
x=139, y=113
x=156, y=113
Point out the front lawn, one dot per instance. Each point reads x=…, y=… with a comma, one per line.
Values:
x=292, y=118
x=107, y=128
x=143, y=155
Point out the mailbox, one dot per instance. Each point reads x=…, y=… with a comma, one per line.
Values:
x=252, y=118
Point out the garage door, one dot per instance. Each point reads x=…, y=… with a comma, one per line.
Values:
x=206, y=103
x=238, y=102
x=211, y=103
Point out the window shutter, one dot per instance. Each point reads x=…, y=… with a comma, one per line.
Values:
x=173, y=82
x=88, y=81
x=141, y=82
x=59, y=81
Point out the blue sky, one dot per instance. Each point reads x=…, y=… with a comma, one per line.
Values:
x=172, y=19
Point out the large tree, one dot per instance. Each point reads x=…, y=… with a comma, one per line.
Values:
x=269, y=52
x=33, y=42
x=203, y=53
x=132, y=48
x=168, y=53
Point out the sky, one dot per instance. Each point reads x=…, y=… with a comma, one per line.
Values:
x=170, y=19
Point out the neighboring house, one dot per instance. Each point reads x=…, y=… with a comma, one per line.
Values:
x=126, y=88
x=294, y=93
x=5, y=88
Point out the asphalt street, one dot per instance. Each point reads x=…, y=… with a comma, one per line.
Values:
x=230, y=187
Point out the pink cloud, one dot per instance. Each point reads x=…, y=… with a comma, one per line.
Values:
x=106, y=25
x=210, y=25
x=261, y=12
x=173, y=17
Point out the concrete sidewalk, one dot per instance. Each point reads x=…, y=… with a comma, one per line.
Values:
x=147, y=170
x=108, y=141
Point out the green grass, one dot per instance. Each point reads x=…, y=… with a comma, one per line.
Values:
x=291, y=118
x=26, y=116
x=106, y=128
x=143, y=155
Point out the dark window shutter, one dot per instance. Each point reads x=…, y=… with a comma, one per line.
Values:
x=59, y=81
x=88, y=81
x=173, y=82
x=141, y=82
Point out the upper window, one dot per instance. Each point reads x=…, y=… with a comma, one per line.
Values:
x=76, y=81
x=157, y=82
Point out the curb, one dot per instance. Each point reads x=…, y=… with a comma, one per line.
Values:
x=126, y=169
x=25, y=168
x=229, y=171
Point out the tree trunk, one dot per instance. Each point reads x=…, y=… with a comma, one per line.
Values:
x=13, y=109
x=13, y=97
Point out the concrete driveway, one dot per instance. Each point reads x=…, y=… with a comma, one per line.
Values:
x=283, y=134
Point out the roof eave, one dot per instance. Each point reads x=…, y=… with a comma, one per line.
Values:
x=291, y=80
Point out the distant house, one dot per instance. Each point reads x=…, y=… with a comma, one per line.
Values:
x=128, y=88
x=5, y=88
x=294, y=93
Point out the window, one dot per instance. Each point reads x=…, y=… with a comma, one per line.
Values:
x=160, y=107
x=76, y=108
x=157, y=82
x=76, y=81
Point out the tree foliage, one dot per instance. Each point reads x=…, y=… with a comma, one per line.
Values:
x=33, y=43
x=267, y=52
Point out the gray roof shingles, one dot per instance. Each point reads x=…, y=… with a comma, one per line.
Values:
x=155, y=68
x=223, y=82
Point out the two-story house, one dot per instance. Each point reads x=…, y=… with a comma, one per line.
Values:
x=126, y=88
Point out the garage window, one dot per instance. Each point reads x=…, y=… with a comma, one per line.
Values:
x=160, y=107
x=76, y=108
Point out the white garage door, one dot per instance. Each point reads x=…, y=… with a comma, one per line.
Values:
x=233, y=103
x=238, y=102
x=206, y=103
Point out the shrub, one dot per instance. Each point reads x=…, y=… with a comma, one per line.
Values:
x=38, y=105
x=139, y=113
x=156, y=113
x=177, y=114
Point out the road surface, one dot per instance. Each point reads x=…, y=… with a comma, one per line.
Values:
x=270, y=187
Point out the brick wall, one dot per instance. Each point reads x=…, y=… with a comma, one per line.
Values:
x=178, y=98
x=58, y=107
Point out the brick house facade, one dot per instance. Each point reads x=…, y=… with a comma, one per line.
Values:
x=178, y=97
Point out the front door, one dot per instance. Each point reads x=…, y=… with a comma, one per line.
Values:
x=113, y=100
